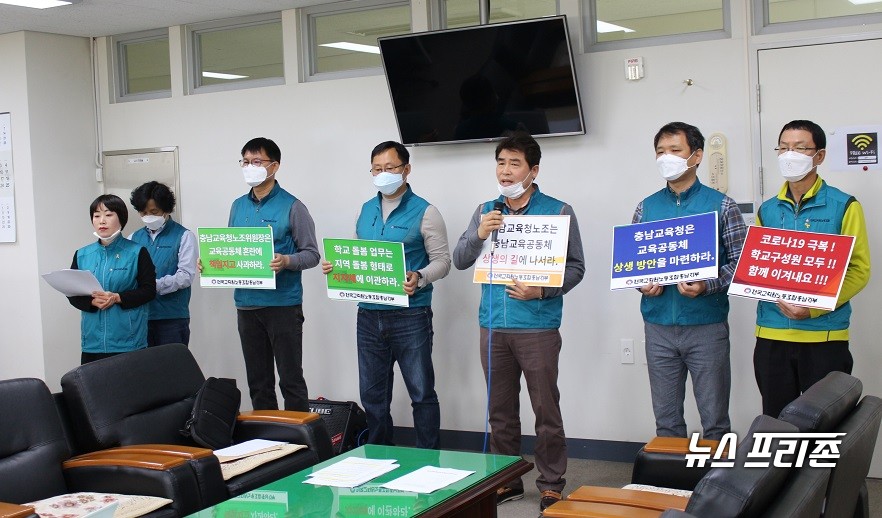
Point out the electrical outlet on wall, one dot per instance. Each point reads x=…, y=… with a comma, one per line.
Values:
x=627, y=345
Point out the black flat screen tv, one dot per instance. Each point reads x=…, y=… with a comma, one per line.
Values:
x=480, y=83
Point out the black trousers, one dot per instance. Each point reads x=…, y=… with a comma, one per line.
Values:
x=784, y=370
x=274, y=335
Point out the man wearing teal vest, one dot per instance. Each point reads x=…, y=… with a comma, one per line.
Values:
x=389, y=334
x=686, y=324
x=271, y=321
x=173, y=251
x=797, y=346
x=524, y=323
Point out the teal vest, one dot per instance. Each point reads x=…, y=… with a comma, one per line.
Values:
x=672, y=308
x=273, y=210
x=509, y=313
x=164, y=253
x=113, y=330
x=402, y=226
x=823, y=212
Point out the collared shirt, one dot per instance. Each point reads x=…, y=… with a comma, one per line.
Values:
x=434, y=233
x=733, y=233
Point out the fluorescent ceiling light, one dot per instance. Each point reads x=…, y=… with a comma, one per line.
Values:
x=39, y=4
x=218, y=75
x=862, y=2
x=357, y=47
x=610, y=27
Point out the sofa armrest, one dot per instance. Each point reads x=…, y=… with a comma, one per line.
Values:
x=573, y=509
x=129, y=460
x=169, y=450
x=662, y=462
x=126, y=471
x=278, y=416
x=15, y=511
x=629, y=497
x=283, y=425
x=676, y=445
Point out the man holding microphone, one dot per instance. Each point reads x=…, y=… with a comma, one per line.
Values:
x=525, y=322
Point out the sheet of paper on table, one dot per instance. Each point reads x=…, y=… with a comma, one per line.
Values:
x=427, y=479
x=351, y=472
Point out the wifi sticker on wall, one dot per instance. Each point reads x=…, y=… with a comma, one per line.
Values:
x=862, y=148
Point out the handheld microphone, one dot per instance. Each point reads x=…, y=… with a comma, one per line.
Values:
x=497, y=205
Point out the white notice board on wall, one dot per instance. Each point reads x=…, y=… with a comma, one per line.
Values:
x=7, y=182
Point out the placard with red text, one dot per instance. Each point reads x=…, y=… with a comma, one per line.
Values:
x=802, y=268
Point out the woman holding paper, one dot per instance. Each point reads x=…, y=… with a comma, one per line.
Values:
x=115, y=319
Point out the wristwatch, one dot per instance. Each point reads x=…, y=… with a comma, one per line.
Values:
x=420, y=283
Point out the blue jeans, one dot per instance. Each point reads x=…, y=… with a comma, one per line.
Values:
x=405, y=336
x=703, y=352
x=168, y=331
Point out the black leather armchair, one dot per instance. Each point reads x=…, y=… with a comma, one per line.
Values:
x=35, y=458
x=827, y=406
x=733, y=492
x=139, y=401
x=831, y=405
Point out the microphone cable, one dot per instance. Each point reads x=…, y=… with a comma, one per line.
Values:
x=489, y=349
x=498, y=205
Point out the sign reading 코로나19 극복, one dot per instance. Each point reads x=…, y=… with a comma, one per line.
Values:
x=802, y=268
x=236, y=257
x=531, y=249
x=366, y=271
x=667, y=251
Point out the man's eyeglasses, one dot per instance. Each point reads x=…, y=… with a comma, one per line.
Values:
x=256, y=162
x=797, y=149
x=387, y=169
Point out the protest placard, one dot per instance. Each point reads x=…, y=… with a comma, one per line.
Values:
x=236, y=257
x=366, y=271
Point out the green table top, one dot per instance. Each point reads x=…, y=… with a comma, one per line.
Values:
x=291, y=497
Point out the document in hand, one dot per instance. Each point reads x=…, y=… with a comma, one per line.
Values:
x=247, y=449
x=351, y=472
x=73, y=283
x=427, y=479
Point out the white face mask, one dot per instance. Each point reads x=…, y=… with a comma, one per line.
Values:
x=795, y=166
x=672, y=167
x=515, y=190
x=387, y=183
x=254, y=175
x=153, y=222
x=108, y=239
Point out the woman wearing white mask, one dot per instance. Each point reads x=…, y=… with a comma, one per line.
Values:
x=115, y=319
x=797, y=346
x=173, y=251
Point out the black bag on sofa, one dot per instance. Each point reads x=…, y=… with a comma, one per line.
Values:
x=214, y=413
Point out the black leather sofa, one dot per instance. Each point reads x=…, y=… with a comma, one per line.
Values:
x=139, y=402
x=35, y=461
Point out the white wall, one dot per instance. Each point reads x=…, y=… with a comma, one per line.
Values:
x=326, y=131
x=20, y=319
x=62, y=118
x=47, y=87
